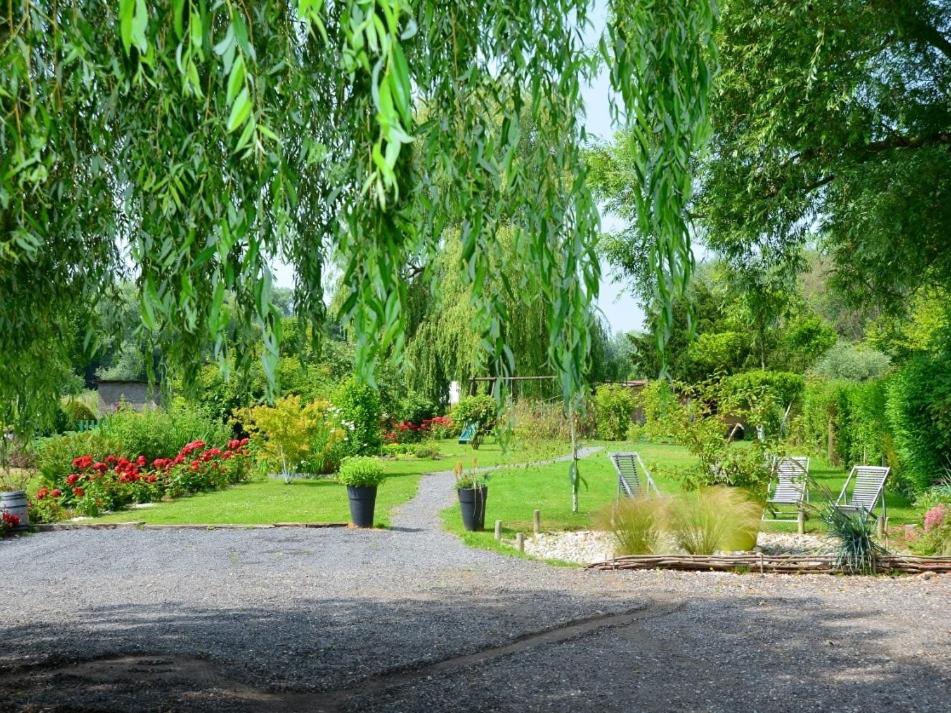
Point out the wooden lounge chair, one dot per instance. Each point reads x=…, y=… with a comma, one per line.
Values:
x=630, y=471
x=790, y=489
x=867, y=490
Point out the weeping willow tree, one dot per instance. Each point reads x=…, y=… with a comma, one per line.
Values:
x=445, y=333
x=187, y=143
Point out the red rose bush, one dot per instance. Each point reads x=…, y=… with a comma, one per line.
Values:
x=409, y=432
x=8, y=522
x=94, y=486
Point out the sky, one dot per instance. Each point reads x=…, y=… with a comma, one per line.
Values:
x=618, y=307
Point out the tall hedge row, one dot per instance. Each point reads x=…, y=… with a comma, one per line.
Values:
x=919, y=413
x=903, y=420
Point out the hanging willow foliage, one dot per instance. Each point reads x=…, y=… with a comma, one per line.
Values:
x=188, y=143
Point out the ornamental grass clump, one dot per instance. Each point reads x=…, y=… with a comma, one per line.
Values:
x=711, y=519
x=857, y=552
x=637, y=524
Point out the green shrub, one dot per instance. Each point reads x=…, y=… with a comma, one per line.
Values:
x=292, y=437
x=919, y=414
x=55, y=454
x=693, y=422
x=480, y=410
x=361, y=472
x=73, y=409
x=76, y=411
x=426, y=450
x=76, y=408
x=637, y=524
x=764, y=395
x=939, y=494
x=712, y=519
x=657, y=401
x=396, y=449
x=851, y=362
x=359, y=406
x=158, y=433
x=539, y=420
x=614, y=407
x=415, y=408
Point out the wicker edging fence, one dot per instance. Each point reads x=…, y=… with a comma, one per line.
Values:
x=775, y=564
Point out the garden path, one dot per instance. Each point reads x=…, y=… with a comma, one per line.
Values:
x=409, y=619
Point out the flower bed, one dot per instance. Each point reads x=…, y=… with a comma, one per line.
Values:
x=115, y=482
x=8, y=523
x=409, y=432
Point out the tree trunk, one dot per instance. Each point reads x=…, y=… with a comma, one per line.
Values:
x=574, y=459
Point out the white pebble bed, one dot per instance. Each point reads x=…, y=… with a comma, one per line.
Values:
x=589, y=546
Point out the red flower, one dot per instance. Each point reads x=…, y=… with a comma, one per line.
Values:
x=244, y=441
x=151, y=478
x=196, y=465
x=82, y=462
x=42, y=493
x=10, y=520
x=56, y=492
x=100, y=467
x=78, y=492
x=190, y=447
x=140, y=461
x=111, y=459
x=72, y=478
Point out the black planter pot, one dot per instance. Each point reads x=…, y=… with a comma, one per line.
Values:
x=362, y=502
x=472, y=504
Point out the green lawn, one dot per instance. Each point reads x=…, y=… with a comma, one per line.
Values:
x=514, y=493
x=273, y=501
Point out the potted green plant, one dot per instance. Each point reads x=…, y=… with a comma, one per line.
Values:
x=473, y=489
x=361, y=476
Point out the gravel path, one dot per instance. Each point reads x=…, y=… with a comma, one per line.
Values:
x=342, y=620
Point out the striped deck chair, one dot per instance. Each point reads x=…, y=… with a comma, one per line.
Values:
x=630, y=470
x=789, y=489
x=867, y=490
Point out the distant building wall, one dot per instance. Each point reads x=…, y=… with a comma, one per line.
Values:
x=137, y=394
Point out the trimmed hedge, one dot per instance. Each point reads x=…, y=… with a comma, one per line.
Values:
x=846, y=421
x=903, y=421
x=919, y=414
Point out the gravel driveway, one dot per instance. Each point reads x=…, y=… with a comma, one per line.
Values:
x=408, y=619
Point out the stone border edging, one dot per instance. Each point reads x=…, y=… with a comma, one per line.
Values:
x=142, y=525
